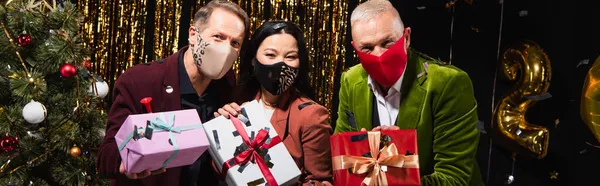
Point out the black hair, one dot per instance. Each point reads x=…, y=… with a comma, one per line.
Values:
x=248, y=85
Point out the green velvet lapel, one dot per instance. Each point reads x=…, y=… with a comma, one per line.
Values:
x=412, y=92
x=364, y=99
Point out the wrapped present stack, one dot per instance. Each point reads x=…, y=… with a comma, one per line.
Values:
x=375, y=158
x=248, y=151
x=161, y=140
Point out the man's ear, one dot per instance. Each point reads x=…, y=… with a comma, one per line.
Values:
x=407, y=37
x=192, y=35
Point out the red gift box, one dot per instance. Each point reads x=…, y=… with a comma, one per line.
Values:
x=375, y=158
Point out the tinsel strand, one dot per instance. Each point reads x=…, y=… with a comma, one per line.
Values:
x=28, y=162
x=324, y=23
x=12, y=42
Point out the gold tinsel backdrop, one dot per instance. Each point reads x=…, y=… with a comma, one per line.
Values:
x=125, y=33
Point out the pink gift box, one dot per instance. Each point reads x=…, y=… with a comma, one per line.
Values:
x=150, y=147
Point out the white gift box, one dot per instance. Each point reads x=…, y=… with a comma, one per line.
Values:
x=224, y=140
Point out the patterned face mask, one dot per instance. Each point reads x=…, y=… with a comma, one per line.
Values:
x=213, y=60
x=275, y=78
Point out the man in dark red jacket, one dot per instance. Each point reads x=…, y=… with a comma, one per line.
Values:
x=196, y=77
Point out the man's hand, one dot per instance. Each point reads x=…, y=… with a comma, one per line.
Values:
x=140, y=175
x=229, y=109
x=380, y=128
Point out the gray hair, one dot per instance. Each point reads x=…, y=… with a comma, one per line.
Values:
x=372, y=9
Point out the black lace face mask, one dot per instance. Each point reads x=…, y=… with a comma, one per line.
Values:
x=275, y=78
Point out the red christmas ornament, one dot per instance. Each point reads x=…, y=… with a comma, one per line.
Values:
x=87, y=64
x=8, y=143
x=68, y=70
x=24, y=40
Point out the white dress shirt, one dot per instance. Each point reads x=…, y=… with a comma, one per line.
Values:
x=387, y=106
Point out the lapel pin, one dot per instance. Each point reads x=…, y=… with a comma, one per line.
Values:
x=169, y=89
x=425, y=67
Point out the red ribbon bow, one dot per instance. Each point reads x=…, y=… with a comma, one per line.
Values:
x=259, y=143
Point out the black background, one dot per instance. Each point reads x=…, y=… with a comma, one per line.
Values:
x=566, y=30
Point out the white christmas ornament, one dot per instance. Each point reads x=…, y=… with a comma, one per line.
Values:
x=34, y=112
x=102, y=87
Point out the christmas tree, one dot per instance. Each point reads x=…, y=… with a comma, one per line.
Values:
x=51, y=118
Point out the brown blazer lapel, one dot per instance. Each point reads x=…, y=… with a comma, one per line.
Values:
x=280, y=115
x=279, y=122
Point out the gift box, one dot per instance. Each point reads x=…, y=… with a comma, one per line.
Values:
x=375, y=158
x=161, y=140
x=248, y=151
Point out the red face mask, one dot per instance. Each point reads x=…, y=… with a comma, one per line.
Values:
x=387, y=68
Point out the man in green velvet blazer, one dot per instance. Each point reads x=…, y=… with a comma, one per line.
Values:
x=396, y=87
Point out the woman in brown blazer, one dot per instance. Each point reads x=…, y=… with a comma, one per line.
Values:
x=274, y=71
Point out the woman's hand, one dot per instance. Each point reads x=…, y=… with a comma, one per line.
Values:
x=231, y=109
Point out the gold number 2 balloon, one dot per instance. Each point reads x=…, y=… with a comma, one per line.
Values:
x=526, y=63
x=590, y=99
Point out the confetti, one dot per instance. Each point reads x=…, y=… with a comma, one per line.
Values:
x=523, y=13
x=481, y=127
x=583, y=62
x=510, y=179
x=592, y=145
x=554, y=175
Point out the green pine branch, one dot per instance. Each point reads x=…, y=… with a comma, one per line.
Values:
x=27, y=87
x=5, y=92
x=73, y=116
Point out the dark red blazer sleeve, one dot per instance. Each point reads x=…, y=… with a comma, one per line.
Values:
x=123, y=105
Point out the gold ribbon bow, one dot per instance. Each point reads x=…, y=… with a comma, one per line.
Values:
x=388, y=157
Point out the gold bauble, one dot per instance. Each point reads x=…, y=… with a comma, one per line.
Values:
x=75, y=151
x=590, y=99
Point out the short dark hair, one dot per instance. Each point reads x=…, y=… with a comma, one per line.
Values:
x=204, y=13
x=248, y=85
